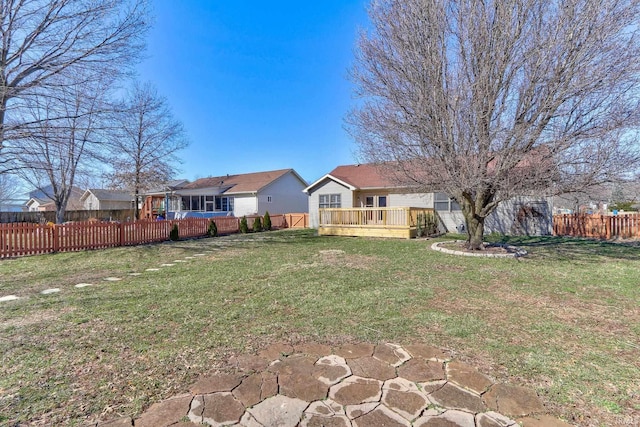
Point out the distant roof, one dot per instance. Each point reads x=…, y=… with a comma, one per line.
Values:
x=44, y=192
x=112, y=195
x=242, y=183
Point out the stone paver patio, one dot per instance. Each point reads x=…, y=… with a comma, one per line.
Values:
x=355, y=385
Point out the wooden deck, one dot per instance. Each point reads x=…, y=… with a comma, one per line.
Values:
x=398, y=222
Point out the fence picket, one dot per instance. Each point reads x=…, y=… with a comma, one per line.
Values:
x=19, y=239
x=625, y=226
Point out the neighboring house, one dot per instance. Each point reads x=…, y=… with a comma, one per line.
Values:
x=278, y=191
x=12, y=205
x=39, y=200
x=366, y=186
x=96, y=199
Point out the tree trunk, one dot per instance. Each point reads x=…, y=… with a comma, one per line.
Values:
x=475, y=233
x=60, y=211
x=475, y=226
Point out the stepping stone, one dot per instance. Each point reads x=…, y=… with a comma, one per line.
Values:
x=113, y=279
x=276, y=351
x=513, y=401
x=381, y=416
x=281, y=411
x=392, y=354
x=450, y=418
x=152, y=269
x=199, y=254
x=427, y=352
x=404, y=397
x=188, y=257
x=167, y=412
x=8, y=298
x=220, y=409
x=83, y=285
x=468, y=377
x=179, y=260
x=215, y=383
x=313, y=349
x=135, y=274
x=331, y=369
x=167, y=265
x=422, y=370
x=355, y=411
x=494, y=419
x=370, y=367
x=454, y=397
x=50, y=291
x=256, y=387
x=355, y=351
x=355, y=390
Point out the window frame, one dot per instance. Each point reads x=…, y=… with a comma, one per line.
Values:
x=330, y=201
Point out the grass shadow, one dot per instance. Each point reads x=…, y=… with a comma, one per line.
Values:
x=572, y=248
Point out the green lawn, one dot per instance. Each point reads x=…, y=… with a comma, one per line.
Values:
x=565, y=320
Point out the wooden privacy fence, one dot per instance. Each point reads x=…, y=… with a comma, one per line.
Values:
x=18, y=239
x=625, y=226
x=42, y=217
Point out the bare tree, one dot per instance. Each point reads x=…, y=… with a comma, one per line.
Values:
x=43, y=39
x=485, y=100
x=10, y=189
x=146, y=142
x=64, y=140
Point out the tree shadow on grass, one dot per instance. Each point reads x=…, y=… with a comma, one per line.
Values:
x=572, y=248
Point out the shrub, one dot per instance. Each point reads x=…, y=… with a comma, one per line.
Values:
x=173, y=234
x=244, y=228
x=257, y=224
x=213, y=229
x=426, y=224
x=267, y=221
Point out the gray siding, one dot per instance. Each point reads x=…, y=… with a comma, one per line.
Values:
x=327, y=187
x=286, y=196
x=522, y=215
x=413, y=200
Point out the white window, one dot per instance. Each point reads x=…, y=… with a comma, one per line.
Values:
x=442, y=202
x=224, y=203
x=329, y=201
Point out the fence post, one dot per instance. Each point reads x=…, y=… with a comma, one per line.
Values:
x=121, y=226
x=56, y=235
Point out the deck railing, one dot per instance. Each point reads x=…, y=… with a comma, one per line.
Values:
x=396, y=217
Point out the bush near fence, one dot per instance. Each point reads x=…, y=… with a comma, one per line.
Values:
x=626, y=226
x=19, y=239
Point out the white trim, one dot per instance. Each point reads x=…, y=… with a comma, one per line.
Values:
x=333, y=178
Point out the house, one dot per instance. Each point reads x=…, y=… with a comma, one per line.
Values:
x=366, y=186
x=40, y=200
x=96, y=199
x=278, y=191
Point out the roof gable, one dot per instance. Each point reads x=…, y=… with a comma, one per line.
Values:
x=241, y=183
x=110, y=195
x=359, y=177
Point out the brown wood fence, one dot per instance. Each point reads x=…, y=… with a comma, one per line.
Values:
x=19, y=239
x=42, y=217
x=625, y=226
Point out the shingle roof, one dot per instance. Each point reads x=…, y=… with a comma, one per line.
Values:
x=113, y=195
x=364, y=176
x=240, y=183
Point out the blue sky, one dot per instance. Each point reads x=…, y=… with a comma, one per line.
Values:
x=258, y=85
